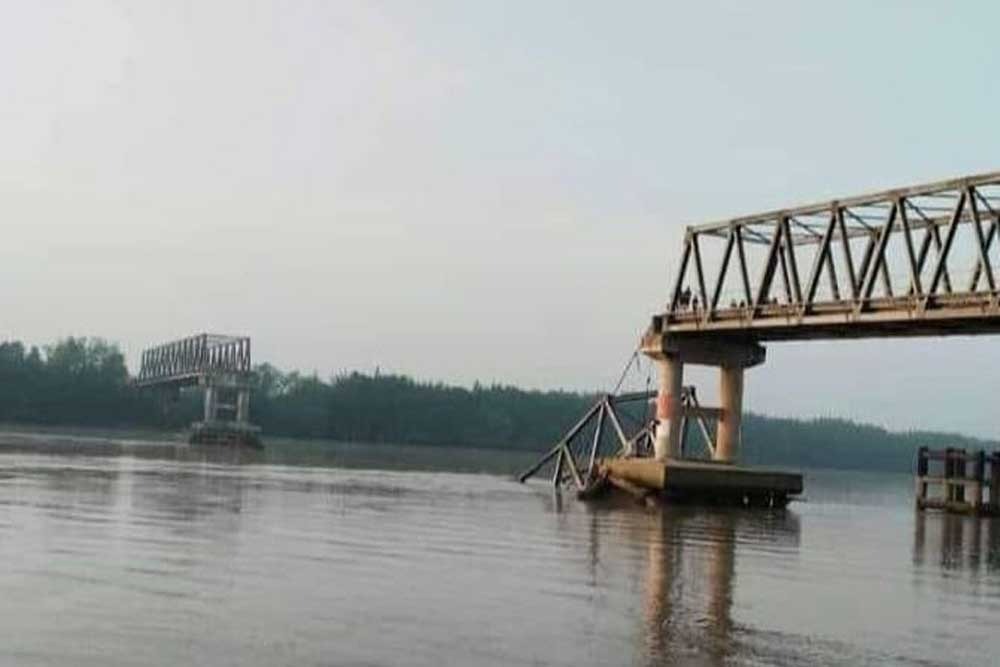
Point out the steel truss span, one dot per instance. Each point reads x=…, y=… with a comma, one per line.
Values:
x=187, y=360
x=914, y=261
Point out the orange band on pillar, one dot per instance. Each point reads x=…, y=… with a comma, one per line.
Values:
x=663, y=403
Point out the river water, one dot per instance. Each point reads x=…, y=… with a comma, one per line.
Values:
x=138, y=554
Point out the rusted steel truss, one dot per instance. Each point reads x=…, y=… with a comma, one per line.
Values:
x=185, y=361
x=604, y=431
x=913, y=261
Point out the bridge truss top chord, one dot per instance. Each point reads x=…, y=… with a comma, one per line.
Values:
x=913, y=261
x=188, y=360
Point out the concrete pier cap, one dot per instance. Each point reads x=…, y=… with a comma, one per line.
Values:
x=704, y=350
x=731, y=355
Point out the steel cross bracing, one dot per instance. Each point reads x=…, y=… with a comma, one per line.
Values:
x=912, y=261
x=187, y=360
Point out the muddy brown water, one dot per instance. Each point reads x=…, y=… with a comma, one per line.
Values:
x=131, y=553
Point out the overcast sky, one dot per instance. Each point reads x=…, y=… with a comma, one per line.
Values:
x=470, y=190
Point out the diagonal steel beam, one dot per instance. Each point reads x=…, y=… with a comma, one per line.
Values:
x=831, y=273
x=783, y=264
x=879, y=264
x=942, y=263
x=822, y=259
x=681, y=273
x=744, y=273
x=904, y=219
x=699, y=271
x=848, y=259
x=984, y=259
x=938, y=247
x=767, y=275
x=721, y=278
x=793, y=264
x=977, y=272
x=866, y=260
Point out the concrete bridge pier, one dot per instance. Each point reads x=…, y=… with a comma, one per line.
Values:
x=227, y=399
x=211, y=403
x=731, y=357
x=226, y=411
x=727, y=438
x=670, y=371
x=243, y=405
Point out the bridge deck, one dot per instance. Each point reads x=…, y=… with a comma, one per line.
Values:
x=886, y=317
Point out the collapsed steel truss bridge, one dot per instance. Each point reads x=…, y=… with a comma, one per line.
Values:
x=922, y=260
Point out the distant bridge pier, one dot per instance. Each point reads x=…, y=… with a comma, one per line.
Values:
x=243, y=405
x=732, y=358
x=211, y=403
x=227, y=398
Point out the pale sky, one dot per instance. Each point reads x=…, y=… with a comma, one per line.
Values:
x=465, y=190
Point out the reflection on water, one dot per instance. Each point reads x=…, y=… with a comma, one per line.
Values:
x=190, y=558
x=957, y=542
x=667, y=636
x=689, y=577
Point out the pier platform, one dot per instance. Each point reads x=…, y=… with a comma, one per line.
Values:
x=231, y=433
x=681, y=480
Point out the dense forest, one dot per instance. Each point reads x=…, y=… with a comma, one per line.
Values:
x=85, y=382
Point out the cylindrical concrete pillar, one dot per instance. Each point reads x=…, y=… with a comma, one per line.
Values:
x=210, y=402
x=668, y=408
x=243, y=406
x=727, y=440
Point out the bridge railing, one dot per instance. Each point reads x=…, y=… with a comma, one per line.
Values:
x=193, y=357
x=912, y=248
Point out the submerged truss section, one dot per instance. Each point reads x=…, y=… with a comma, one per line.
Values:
x=607, y=430
x=913, y=261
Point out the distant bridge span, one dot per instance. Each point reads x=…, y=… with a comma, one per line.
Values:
x=190, y=360
x=915, y=261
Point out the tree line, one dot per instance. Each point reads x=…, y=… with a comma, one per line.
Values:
x=85, y=382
